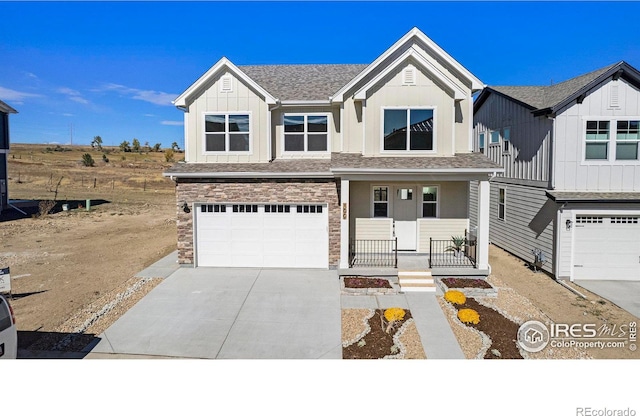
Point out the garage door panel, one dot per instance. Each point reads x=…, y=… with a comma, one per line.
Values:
x=607, y=247
x=262, y=237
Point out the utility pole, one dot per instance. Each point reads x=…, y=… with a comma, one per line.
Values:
x=71, y=133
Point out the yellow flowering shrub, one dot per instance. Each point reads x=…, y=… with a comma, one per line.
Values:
x=468, y=316
x=455, y=296
x=394, y=314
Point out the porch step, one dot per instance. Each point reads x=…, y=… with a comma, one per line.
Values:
x=416, y=281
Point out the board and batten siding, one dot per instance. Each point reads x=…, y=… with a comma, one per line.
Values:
x=572, y=171
x=241, y=99
x=530, y=138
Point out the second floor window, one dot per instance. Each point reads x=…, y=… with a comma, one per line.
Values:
x=481, y=142
x=305, y=133
x=226, y=132
x=408, y=129
x=597, y=140
x=627, y=138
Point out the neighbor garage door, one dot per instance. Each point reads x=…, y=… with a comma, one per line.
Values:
x=250, y=235
x=607, y=248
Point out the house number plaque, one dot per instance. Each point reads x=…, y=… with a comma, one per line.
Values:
x=344, y=210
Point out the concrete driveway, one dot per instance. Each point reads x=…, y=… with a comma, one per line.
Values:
x=624, y=293
x=232, y=313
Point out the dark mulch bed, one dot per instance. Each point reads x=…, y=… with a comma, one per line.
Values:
x=366, y=282
x=378, y=342
x=453, y=282
x=502, y=331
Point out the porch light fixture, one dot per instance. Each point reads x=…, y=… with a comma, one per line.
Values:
x=568, y=224
x=185, y=207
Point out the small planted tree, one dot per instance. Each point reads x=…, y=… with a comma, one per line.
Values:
x=87, y=160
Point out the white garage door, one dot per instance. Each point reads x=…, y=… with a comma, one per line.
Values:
x=250, y=235
x=607, y=248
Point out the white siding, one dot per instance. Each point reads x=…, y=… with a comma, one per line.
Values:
x=374, y=228
x=439, y=229
x=572, y=171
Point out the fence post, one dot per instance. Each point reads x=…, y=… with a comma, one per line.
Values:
x=94, y=183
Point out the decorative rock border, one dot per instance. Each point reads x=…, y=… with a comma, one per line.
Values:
x=470, y=292
x=395, y=288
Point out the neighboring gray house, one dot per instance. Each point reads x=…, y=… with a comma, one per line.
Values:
x=323, y=166
x=5, y=110
x=571, y=185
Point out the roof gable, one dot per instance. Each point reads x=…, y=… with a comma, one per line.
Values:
x=6, y=108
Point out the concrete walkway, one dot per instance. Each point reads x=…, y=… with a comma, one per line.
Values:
x=623, y=293
x=254, y=313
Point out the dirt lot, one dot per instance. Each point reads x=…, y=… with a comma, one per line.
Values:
x=66, y=261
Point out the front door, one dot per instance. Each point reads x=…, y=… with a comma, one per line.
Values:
x=405, y=216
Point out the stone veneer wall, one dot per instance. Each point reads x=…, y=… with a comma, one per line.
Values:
x=273, y=191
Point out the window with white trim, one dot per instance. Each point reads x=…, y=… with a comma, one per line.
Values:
x=429, y=201
x=306, y=133
x=597, y=140
x=380, y=201
x=227, y=132
x=408, y=129
x=502, y=202
x=481, y=142
x=495, y=137
x=627, y=138
x=506, y=137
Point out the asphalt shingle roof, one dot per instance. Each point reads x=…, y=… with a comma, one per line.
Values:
x=562, y=196
x=541, y=97
x=302, y=82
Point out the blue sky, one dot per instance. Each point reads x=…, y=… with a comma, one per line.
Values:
x=112, y=69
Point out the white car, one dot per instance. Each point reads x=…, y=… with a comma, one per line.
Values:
x=8, y=331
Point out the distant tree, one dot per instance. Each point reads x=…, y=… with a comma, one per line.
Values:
x=136, y=145
x=147, y=148
x=175, y=147
x=168, y=155
x=97, y=142
x=156, y=147
x=87, y=160
x=125, y=146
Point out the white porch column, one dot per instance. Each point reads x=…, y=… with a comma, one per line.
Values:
x=344, y=224
x=482, y=255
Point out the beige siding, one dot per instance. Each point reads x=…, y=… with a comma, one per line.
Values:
x=241, y=99
x=374, y=228
x=278, y=129
x=529, y=150
x=439, y=229
x=572, y=171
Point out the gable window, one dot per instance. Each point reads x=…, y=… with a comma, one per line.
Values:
x=627, y=138
x=305, y=133
x=429, y=201
x=481, y=142
x=408, y=129
x=506, y=136
x=226, y=132
x=597, y=140
x=495, y=137
x=502, y=198
x=380, y=201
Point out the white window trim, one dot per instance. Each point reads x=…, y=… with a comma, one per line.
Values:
x=611, y=151
x=372, y=197
x=421, y=202
x=410, y=152
x=503, y=140
x=484, y=142
x=491, y=142
x=504, y=204
x=305, y=152
x=226, y=152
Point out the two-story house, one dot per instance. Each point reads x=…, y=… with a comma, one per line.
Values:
x=5, y=110
x=328, y=166
x=571, y=185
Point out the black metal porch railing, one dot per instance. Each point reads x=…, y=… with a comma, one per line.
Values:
x=444, y=253
x=373, y=253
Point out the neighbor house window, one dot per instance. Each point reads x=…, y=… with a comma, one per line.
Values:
x=506, y=136
x=627, y=138
x=429, y=201
x=481, y=142
x=408, y=129
x=501, y=203
x=495, y=137
x=226, y=132
x=305, y=133
x=597, y=140
x=380, y=201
